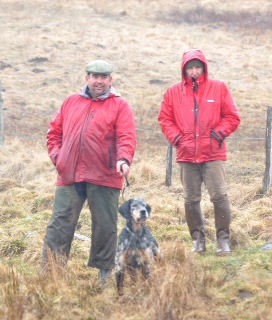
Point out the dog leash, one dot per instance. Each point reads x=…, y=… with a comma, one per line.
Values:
x=127, y=184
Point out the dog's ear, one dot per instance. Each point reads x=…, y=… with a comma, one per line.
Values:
x=148, y=208
x=124, y=209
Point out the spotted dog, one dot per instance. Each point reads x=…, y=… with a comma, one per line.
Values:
x=136, y=247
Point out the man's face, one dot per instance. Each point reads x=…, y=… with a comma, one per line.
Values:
x=194, y=71
x=98, y=84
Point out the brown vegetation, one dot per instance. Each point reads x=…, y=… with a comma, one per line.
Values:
x=45, y=46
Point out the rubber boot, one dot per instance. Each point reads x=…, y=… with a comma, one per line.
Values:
x=222, y=216
x=196, y=226
x=104, y=275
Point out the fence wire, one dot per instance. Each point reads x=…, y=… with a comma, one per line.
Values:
x=246, y=156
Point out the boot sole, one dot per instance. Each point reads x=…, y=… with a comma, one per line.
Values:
x=200, y=252
x=222, y=254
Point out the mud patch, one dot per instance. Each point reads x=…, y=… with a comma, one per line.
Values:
x=4, y=65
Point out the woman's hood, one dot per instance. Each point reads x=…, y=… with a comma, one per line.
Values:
x=190, y=55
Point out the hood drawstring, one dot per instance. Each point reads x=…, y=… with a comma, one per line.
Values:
x=195, y=85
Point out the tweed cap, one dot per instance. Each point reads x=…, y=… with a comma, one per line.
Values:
x=194, y=63
x=99, y=67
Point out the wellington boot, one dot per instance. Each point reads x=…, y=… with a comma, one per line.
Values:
x=104, y=276
x=196, y=226
x=199, y=243
x=222, y=223
x=223, y=247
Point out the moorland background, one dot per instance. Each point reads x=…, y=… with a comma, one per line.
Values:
x=45, y=46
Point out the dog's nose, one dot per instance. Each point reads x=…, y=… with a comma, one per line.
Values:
x=143, y=213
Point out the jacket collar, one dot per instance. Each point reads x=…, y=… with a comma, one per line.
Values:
x=85, y=93
x=189, y=82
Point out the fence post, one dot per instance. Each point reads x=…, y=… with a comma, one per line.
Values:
x=1, y=118
x=168, y=180
x=267, y=180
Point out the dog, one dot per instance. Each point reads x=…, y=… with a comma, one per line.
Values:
x=136, y=247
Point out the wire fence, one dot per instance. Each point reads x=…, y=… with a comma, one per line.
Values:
x=246, y=156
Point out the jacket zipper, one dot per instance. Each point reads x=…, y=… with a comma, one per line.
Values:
x=196, y=110
x=81, y=133
x=88, y=119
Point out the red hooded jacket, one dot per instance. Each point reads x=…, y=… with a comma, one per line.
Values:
x=190, y=130
x=87, y=137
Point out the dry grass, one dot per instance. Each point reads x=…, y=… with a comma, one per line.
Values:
x=45, y=46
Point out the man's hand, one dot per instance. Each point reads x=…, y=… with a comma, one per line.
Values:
x=219, y=139
x=122, y=167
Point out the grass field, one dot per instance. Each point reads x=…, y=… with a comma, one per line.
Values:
x=45, y=46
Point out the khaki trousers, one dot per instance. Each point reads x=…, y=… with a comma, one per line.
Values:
x=103, y=205
x=212, y=174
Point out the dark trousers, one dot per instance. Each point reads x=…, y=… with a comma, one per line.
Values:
x=103, y=205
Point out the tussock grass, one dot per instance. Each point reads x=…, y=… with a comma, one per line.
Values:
x=12, y=244
x=253, y=19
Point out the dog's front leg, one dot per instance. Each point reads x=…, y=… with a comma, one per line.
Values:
x=145, y=270
x=133, y=274
x=120, y=275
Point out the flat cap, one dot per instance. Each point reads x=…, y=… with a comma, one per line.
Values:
x=99, y=67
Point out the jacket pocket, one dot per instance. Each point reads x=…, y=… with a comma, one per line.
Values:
x=186, y=147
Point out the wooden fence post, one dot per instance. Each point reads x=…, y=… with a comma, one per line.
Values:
x=168, y=180
x=1, y=118
x=267, y=180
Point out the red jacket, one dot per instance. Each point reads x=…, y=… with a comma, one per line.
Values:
x=189, y=131
x=87, y=137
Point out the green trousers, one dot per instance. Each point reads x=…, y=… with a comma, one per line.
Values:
x=103, y=205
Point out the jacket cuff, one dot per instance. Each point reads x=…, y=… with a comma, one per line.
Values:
x=53, y=158
x=177, y=139
x=125, y=160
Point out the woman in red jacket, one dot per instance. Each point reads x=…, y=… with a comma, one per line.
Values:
x=91, y=141
x=196, y=116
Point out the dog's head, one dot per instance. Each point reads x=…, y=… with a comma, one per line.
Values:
x=136, y=209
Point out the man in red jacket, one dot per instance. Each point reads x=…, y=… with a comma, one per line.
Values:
x=196, y=116
x=91, y=141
